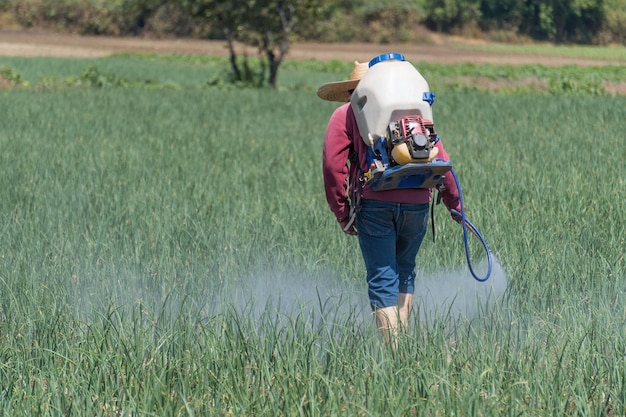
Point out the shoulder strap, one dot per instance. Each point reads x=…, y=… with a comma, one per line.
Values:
x=435, y=202
x=354, y=187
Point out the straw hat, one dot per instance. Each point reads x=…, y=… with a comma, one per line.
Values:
x=341, y=90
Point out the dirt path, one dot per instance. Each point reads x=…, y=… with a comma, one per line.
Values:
x=40, y=43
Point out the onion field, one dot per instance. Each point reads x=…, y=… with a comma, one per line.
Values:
x=166, y=249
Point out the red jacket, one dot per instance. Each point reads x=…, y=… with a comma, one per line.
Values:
x=342, y=137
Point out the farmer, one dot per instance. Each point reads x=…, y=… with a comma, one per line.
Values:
x=390, y=224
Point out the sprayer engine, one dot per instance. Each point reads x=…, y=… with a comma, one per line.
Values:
x=406, y=157
x=411, y=139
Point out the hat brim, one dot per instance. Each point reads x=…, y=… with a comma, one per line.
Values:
x=337, y=91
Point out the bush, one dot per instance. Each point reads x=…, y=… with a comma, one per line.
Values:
x=596, y=21
x=98, y=17
x=614, y=29
x=102, y=17
x=9, y=77
x=381, y=23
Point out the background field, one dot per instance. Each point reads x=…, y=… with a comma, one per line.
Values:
x=166, y=249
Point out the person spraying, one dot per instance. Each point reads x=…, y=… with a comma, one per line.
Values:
x=381, y=160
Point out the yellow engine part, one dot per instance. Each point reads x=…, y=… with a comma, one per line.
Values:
x=401, y=155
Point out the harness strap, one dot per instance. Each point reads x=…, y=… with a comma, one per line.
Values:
x=354, y=189
x=435, y=202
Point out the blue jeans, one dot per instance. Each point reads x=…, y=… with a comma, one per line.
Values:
x=390, y=235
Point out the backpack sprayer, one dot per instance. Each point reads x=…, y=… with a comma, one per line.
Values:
x=401, y=137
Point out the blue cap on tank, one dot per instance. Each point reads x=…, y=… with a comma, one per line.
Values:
x=386, y=57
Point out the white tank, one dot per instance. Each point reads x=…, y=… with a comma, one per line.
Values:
x=390, y=89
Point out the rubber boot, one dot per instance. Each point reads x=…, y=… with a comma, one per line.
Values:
x=387, y=324
x=405, y=302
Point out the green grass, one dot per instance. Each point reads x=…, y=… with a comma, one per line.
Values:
x=153, y=241
x=174, y=71
x=608, y=53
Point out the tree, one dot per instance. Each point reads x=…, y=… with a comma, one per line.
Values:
x=501, y=14
x=135, y=13
x=564, y=20
x=273, y=25
x=228, y=16
x=269, y=25
x=449, y=14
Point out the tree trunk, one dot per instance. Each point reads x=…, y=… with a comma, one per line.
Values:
x=274, y=63
x=232, y=54
x=275, y=60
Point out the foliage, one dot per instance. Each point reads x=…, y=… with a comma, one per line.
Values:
x=9, y=76
x=501, y=14
x=563, y=20
x=165, y=72
x=269, y=26
x=568, y=21
x=448, y=14
x=97, y=17
x=614, y=28
x=371, y=21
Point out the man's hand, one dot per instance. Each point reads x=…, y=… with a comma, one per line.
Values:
x=347, y=227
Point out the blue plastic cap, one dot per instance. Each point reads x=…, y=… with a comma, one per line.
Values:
x=429, y=97
x=386, y=57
